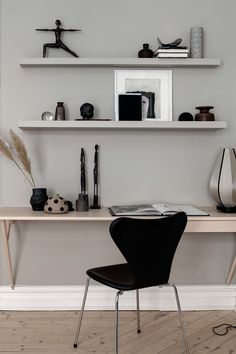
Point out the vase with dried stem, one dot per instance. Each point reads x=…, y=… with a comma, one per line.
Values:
x=16, y=152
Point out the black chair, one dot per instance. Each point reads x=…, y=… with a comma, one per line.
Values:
x=148, y=246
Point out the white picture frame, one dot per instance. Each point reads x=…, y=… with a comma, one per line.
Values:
x=157, y=84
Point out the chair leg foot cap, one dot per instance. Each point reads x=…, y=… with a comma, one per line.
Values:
x=75, y=345
x=138, y=330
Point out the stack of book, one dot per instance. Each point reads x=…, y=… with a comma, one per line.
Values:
x=178, y=52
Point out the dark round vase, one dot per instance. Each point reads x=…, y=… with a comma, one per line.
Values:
x=38, y=199
x=146, y=52
x=204, y=114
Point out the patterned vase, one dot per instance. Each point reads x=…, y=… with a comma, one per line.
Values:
x=223, y=181
x=196, y=42
x=56, y=205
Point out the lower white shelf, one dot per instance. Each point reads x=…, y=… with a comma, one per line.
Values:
x=122, y=125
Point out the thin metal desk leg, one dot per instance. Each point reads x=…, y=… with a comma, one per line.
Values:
x=231, y=271
x=6, y=226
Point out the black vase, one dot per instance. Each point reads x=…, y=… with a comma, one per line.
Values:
x=60, y=111
x=38, y=199
x=146, y=52
x=204, y=114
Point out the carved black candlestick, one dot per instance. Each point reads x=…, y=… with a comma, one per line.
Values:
x=95, y=181
x=82, y=201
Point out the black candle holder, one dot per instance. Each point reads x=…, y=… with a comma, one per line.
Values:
x=82, y=203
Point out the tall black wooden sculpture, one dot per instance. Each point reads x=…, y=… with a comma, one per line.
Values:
x=82, y=201
x=95, y=180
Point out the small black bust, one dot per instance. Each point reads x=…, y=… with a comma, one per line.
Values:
x=185, y=116
x=87, y=111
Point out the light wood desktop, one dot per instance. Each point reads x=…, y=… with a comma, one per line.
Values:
x=215, y=222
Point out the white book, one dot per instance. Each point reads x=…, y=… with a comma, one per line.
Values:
x=170, y=209
x=172, y=55
x=173, y=50
x=154, y=209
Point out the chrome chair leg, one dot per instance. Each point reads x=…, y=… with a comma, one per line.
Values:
x=81, y=313
x=117, y=320
x=180, y=317
x=138, y=312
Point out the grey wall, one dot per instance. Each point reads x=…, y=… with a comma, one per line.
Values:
x=136, y=166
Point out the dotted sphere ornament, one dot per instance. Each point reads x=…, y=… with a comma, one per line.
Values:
x=56, y=205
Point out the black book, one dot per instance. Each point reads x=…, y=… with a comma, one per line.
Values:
x=130, y=106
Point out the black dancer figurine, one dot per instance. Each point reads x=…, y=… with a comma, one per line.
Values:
x=82, y=201
x=95, y=180
x=58, y=44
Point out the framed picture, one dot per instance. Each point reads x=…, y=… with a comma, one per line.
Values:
x=155, y=87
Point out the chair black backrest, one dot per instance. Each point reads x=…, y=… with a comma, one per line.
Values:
x=149, y=245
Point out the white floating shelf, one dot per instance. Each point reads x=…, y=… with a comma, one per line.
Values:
x=119, y=62
x=122, y=125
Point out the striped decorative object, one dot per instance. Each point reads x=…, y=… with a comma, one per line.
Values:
x=223, y=181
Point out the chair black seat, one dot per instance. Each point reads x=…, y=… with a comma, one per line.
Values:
x=117, y=276
x=148, y=246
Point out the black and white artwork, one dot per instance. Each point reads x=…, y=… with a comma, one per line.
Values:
x=155, y=87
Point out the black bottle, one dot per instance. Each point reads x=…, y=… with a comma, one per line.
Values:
x=146, y=52
x=60, y=111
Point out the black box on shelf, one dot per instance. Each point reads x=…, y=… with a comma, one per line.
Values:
x=130, y=106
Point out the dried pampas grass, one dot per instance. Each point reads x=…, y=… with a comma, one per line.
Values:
x=21, y=151
x=21, y=155
x=5, y=149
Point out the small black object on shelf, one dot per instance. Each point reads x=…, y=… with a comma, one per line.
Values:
x=70, y=205
x=146, y=52
x=96, y=119
x=95, y=181
x=87, y=111
x=185, y=116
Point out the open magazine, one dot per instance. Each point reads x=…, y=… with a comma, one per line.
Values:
x=154, y=209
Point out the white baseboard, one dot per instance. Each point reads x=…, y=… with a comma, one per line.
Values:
x=192, y=297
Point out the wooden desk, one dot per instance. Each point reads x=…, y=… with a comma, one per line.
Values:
x=215, y=222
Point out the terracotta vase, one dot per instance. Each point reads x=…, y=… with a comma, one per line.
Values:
x=204, y=114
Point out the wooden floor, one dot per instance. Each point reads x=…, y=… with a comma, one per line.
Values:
x=53, y=332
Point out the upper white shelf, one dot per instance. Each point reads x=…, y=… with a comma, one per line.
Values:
x=122, y=125
x=119, y=62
